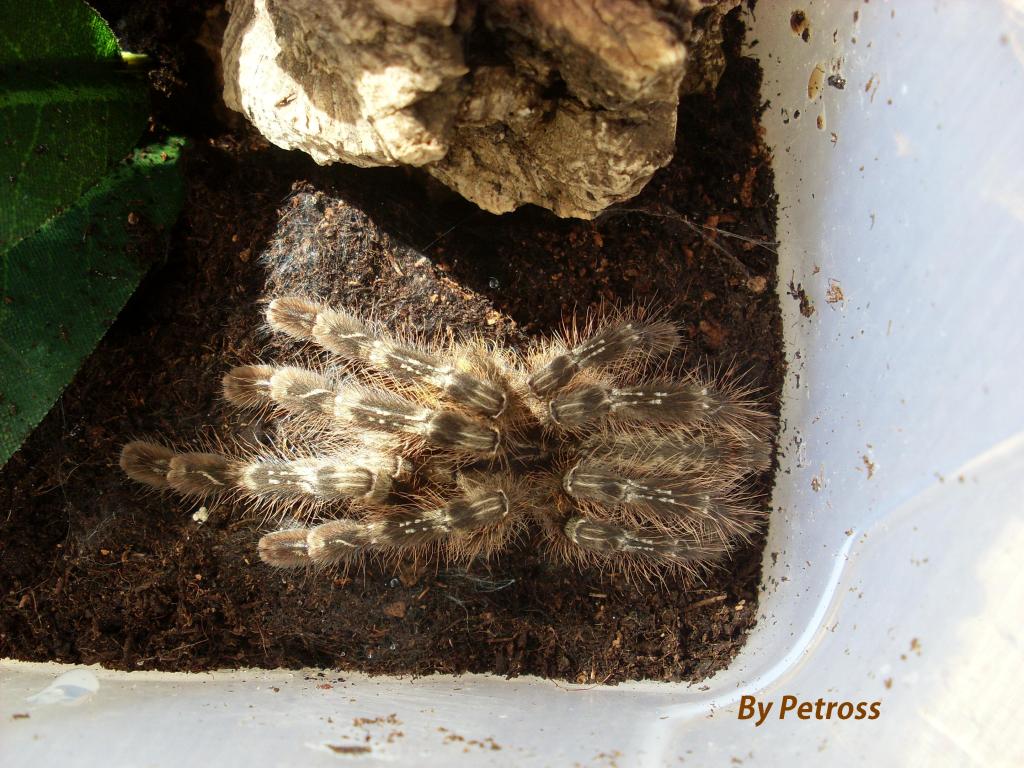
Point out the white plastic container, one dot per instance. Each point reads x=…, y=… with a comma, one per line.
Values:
x=898, y=580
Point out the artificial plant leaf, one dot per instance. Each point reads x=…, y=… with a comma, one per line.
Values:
x=69, y=109
x=62, y=286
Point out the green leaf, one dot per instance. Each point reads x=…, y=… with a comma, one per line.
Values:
x=69, y=109
x=74, y=213
x=50, y=30
x=63, y=286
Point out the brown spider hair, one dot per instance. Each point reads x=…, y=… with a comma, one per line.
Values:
x=454, y=450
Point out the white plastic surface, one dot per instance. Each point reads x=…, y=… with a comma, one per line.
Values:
x=899, y=579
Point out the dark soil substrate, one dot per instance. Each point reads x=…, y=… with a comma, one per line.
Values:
x=93, y=571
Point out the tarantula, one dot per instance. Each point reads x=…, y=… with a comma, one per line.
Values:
x=451, y=450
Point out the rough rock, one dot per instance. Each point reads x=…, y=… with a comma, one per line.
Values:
x=566, y=104
x=704, y=44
